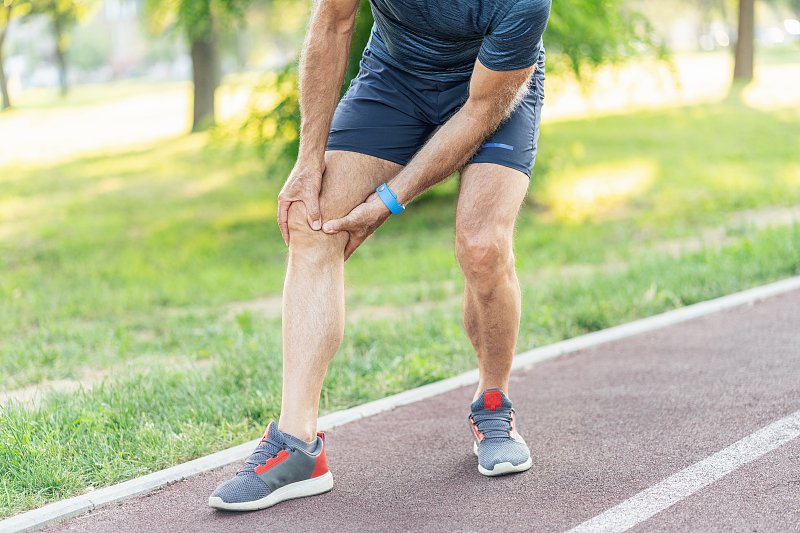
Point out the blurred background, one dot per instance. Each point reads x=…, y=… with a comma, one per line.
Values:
x=142, y=147
x=66, y=52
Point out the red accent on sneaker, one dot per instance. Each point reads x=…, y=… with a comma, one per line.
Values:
x=492, y=399
x=282, y=456
x=321, y=467
x=478, y=435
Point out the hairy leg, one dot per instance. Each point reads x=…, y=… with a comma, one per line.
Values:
x=313, y=292
x=489, y=199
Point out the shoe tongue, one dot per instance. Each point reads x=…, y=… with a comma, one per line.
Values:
x=270, y=445
x=491, y=399
x=273, y=434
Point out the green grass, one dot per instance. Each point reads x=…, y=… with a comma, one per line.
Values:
x=125, y=264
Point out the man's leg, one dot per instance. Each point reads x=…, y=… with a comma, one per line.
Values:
x=281, y=467
x=488, y=202
x=313, y=292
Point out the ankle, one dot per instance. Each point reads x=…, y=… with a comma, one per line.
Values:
x=308, y=445
x=304, y=432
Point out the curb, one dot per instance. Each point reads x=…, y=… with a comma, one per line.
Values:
x=56, y=512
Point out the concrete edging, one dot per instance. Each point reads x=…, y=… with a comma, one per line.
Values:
x=58, y=511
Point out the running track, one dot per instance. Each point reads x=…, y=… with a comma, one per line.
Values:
x=605, y=426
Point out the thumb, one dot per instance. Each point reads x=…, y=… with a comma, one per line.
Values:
x=337, y=225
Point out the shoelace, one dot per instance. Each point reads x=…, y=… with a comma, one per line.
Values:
x=497, y=429
x=261, y=455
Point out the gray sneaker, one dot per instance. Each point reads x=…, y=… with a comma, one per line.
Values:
x=500, y=449
x=276, y=471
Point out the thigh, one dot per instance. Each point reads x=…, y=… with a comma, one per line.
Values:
x=489, y=199
x=349, y=178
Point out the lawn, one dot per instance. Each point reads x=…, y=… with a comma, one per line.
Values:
x=151, y=273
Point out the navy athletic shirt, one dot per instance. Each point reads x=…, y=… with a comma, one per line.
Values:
x=440, y=39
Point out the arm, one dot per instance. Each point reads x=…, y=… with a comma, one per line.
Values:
x=492, y=96
x=323, y=63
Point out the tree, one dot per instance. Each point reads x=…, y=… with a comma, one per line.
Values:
x=588, y=33
x=743, y=60
x=63, y=15
x=201, y=22
x=5, y=19
x=8, y=10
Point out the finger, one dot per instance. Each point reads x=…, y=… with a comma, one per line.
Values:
x=283, y=219
x=312, y=208
x=337, y=225
x=352, y=245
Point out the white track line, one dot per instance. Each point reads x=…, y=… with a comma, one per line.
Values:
x=652, y=501
x=55, y=512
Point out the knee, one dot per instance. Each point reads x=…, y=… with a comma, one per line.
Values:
x=308, y=241
x=485, y=256
x=298, y=223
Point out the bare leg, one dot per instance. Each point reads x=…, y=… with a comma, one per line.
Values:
x=313, y=293
x=488, y=202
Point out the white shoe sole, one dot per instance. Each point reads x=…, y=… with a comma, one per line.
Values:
x=502, y=468
x=505, y=468
x=298, y=489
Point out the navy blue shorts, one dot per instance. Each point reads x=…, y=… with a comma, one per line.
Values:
x=389, y=113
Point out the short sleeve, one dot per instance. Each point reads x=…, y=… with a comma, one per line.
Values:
x=514, y=43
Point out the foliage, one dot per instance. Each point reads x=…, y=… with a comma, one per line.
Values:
x=794, y=5
x=272, y=122
x=195, y=18
x=273, y=118
x=202, y=22
x=8, y=9
x=63, y=15
x=11, y=9
x=588, y=33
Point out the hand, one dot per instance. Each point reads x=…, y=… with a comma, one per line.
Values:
x=302, y=185
x=360, y=223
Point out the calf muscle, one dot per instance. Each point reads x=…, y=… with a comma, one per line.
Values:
x=313, y=294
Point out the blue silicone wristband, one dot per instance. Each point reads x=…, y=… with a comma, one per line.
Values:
x=389, y=199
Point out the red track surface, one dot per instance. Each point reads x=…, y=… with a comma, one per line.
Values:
x=602, y=424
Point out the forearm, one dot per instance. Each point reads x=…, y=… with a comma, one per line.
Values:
x=492, y=97
x=446, y=152
x=323, y=64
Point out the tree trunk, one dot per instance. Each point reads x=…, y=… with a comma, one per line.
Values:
x=743, y=62
x=3, y=81
x=62, y=61
x=206, y=72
